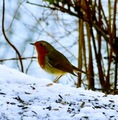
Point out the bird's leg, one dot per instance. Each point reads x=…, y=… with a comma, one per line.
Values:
x=57, y=79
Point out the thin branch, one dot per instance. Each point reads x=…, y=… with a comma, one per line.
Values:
x=3, y=30
x=14, y=16
x=44, y=6
x=24, y=58
x=31, y=60
x=56, y=7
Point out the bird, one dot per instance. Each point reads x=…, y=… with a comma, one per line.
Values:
x=53, y=61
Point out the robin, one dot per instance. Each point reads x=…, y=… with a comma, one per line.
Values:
x=52, y=61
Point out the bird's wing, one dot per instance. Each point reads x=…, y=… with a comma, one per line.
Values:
x=59, y=61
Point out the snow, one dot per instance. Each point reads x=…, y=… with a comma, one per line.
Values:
x=23, y=97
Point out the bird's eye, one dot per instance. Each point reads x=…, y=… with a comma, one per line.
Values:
x=41, y=44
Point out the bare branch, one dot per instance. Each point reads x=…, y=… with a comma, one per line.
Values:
x=24, y=58
x=3, y=30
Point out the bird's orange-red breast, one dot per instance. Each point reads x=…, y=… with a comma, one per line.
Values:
x=53, y=61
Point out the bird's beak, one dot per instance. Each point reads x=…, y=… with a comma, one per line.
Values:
x=32, y=43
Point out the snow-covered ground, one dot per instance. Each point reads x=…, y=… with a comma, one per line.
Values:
x=24, y=97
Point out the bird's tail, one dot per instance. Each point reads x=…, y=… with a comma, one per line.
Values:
x=80, y=71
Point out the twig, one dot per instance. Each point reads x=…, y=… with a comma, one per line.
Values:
x=21, y=101
x=57, y=7
x=3, y=30
x=23, y=58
